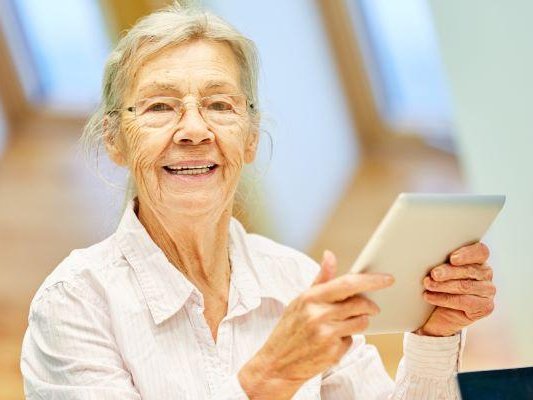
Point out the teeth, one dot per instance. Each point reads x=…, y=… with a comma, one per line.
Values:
x=191, y=167
x=193, y=171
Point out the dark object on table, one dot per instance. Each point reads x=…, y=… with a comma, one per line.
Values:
x=504, y=384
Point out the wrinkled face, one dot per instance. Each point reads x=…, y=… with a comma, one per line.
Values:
x=193, y=164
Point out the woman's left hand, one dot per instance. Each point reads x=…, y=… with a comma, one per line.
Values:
x=462, y=290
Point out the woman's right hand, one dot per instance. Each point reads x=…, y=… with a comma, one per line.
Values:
x=313, y=333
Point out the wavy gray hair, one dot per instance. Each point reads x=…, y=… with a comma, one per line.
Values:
x=170, y=26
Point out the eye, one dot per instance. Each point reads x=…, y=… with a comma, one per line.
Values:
x=219, y=105
x=159, y=107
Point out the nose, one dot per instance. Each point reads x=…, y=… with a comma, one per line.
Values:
x=192, y=128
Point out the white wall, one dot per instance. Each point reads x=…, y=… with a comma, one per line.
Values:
x=488, y=53
x=315, y=151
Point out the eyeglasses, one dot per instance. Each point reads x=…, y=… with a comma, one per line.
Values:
x=216, y=110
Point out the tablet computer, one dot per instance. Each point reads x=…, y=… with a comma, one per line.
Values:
x=419, y=232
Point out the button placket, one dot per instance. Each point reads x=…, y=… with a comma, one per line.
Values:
x=225, y=330
x=205, y=341
x=224, y=346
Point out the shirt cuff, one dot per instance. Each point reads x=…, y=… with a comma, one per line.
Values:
x=429, y=356
x=230, y=390
x=461, y=348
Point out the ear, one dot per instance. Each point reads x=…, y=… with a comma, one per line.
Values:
x=251, y=146
x=113, y=145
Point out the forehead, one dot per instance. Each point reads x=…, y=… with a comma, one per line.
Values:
x=191, y=67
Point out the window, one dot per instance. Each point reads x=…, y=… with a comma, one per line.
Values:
x=404, y=64
x=315, y=150
x=67, y=45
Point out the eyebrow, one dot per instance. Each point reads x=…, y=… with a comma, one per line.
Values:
x=156, y=87
x=210, y=85
x=170, y=87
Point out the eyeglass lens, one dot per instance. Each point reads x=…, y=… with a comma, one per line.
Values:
x=160, y=112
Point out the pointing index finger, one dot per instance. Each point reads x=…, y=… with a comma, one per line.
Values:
x=351, y=284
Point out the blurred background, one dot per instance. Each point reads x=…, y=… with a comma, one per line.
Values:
x=363, y=99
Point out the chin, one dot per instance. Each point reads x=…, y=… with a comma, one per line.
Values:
x=195, y=204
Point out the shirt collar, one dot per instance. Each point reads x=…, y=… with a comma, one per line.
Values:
x=166, y=289
x=254, y=278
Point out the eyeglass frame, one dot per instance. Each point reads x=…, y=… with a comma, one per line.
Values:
x=197, y=103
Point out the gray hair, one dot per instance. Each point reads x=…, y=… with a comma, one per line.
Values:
x=168, y=27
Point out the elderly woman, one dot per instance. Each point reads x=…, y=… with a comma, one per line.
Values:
x=180, y=302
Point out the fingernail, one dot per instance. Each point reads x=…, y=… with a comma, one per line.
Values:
x=388, y=278
x=438, y=273
x=458, y=254
x=456, y=258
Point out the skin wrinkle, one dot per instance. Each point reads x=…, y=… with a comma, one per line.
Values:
x=189, y=221
x=217, y=70
x=162, y=88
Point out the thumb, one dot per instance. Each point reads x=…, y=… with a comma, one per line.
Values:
x=328, y=268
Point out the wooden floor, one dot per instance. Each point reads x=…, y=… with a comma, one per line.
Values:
x=50, y=203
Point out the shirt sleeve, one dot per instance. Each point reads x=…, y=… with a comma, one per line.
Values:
x=427, y=371
x=69, y=351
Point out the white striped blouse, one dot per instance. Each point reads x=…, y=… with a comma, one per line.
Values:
x=118, y=321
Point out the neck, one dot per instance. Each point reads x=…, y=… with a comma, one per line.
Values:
x=196, y=245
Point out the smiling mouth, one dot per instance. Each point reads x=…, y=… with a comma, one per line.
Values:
x=193, y=170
